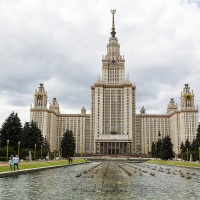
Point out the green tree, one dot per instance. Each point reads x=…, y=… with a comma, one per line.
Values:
x=153, y=149
x=194, y=145
x=68, y=144
x=30, y=136
x=198, y=141
x=11, y=130
x=182, y=146
x=198, y=136
x=187, y=145
x=166, y=148
x=46, y=147
x=158, y=148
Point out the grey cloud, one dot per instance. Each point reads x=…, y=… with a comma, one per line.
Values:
x=61, y=45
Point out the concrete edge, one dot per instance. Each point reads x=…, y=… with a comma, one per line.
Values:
x=26, y=171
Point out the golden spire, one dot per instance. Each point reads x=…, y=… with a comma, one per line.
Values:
x=113, y=11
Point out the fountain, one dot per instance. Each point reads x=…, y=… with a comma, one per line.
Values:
x=105, y=180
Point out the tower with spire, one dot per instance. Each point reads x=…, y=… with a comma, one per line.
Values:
x=113, y=103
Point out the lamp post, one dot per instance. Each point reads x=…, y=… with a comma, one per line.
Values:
x=35, y=152
x=60, y=152
x=81, y=150
x=41, y=151
x=181, y=153
x=187, y=154
x=18, y=147
x=0, y=141
x=199, y=154
x=147, y=150
x=7, y=148
x=176, y=153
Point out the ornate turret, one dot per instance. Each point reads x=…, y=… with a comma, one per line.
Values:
x=172, y=106
x=187, y=98
x=40, y=98
x=54, y=106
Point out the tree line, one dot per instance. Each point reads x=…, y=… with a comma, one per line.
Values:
x=16, y=138
x=191, y=148
x=163, y=148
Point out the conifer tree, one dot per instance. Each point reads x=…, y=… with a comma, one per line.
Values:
x=187, y=144
x=158, y=148
x=68, y=144
x=153, y=149
x=198, y=137
x=11, y=130
x=31, y=135
x=166, y=148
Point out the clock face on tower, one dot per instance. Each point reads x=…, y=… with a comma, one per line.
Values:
x=188, y=97
x=39, y=96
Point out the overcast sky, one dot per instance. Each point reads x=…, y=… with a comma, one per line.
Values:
x=61, y=42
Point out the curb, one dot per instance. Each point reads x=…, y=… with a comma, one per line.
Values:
x=26, y=171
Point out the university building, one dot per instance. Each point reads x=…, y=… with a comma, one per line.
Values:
x=113, y=127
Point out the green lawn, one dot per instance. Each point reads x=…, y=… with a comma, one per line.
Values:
x=175, y=163
x=38, y=164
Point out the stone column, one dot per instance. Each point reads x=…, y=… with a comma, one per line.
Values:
x=107, y=147
x=129, y=147
x=122, y=147
x=115, y=148
x=111, y=147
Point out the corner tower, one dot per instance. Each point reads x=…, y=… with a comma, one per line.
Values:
x=40, y=97
x=113, y=104
x=39, y=111
x=188, y=115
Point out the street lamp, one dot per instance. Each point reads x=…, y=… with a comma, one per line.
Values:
x=199, y=154
x=176, y=153
x=18, y=147
x=7, y=148
x=35, y=151
x=181, y=153
x=41, y=151
x=81, y=150
x=187, y=154
x=0, y=141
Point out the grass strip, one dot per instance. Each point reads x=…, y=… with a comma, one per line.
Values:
x=31, y=165
x=175, y=163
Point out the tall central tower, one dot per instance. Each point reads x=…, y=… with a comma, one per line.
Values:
x=113, y=104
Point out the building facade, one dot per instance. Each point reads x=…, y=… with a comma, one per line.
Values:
x=113, y=127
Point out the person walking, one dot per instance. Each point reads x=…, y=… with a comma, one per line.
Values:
x=11, y=162
x=16, y=162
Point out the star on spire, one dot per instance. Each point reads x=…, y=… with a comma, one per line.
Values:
x=113, y=11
